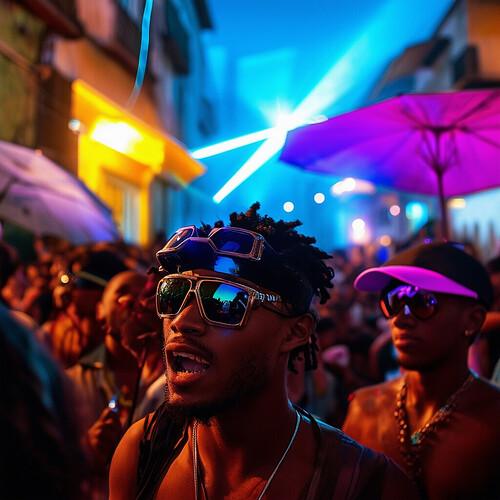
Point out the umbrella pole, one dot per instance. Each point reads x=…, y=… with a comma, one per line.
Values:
x=439, y=168
x=442, y=203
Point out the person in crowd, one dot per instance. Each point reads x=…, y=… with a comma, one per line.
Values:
x=9, y=263
x=313, y=390
x=236, y=312
x=75, y=330
x=484, y=353
x=439, y=421
x=13, y=284
x=495, y=376
x=40, y=454
x=109, y=380
x=37, y=297
x=142, y=335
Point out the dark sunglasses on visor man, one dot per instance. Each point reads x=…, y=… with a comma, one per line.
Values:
x=421, y=303
x=229, y=241
x=220, y=302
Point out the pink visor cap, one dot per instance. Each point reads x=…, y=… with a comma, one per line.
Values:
x=436, y=267
x=377, y=278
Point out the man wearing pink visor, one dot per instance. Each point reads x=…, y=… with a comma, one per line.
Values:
x=439, y=421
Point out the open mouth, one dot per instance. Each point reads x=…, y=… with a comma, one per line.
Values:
x=183, y=362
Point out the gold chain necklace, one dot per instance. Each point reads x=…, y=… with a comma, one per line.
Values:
x=271, y=477
x=410, y=445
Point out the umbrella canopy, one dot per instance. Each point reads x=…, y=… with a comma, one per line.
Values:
x=445, y=144
x=39, y=195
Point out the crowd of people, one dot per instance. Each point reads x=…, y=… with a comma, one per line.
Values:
x=136, y=390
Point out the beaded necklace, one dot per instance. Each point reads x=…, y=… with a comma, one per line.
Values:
x=410, y=445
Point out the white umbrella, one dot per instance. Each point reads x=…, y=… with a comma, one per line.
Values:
x=39, y=195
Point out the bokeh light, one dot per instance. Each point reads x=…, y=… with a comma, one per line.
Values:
x=288, y=206
x=358, y=225
x=395, y=210
x=457, y=203
x=385, y=240
x=319, y=198
x=351, y=185
x=414, y=210
x=360, y=233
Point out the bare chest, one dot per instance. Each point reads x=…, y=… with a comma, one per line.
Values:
x=460, y=458
x=179, y=483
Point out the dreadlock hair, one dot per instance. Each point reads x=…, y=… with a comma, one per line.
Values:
x=300, y=274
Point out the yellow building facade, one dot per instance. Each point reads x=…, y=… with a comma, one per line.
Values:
x=122, y=150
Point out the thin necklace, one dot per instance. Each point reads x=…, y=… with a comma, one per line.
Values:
x=410, y=445
x=271, y=477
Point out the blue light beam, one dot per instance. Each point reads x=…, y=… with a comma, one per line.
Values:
x=328, y=90
x=143, y=55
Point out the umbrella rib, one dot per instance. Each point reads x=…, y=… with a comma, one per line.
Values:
x=413, y=118
x=477, y=135
x=6, y=188
x=60, y=194
x=432, y=158
x=478, y=107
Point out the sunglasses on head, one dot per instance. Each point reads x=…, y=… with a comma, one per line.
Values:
x=421, y=303
x=230, y=241
x=220, y=302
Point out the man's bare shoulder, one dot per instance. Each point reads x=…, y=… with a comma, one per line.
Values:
x=491, y=390
x=484, y=400
x=373, y=398
x=370, y=413
x=123, y=471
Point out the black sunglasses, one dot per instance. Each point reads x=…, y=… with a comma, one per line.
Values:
x=422, y=304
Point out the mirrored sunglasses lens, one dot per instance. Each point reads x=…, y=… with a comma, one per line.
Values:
x=392, y=303
x=233, y=241
x=171, y=294
x=385, y=310
x=223, y=302
x=423, y=305
x=179, y=237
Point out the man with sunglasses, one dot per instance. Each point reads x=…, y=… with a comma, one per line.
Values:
x=236, y=309
x=439, y=421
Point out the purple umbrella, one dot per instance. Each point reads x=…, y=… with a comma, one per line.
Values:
x=445, y=144
x=39, y=195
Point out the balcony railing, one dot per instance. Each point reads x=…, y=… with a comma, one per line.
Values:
x=176, y=41
x=127, y=32
x=60, y=15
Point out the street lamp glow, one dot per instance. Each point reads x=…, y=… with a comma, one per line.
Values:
x=125, y=139
x=119, y=136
